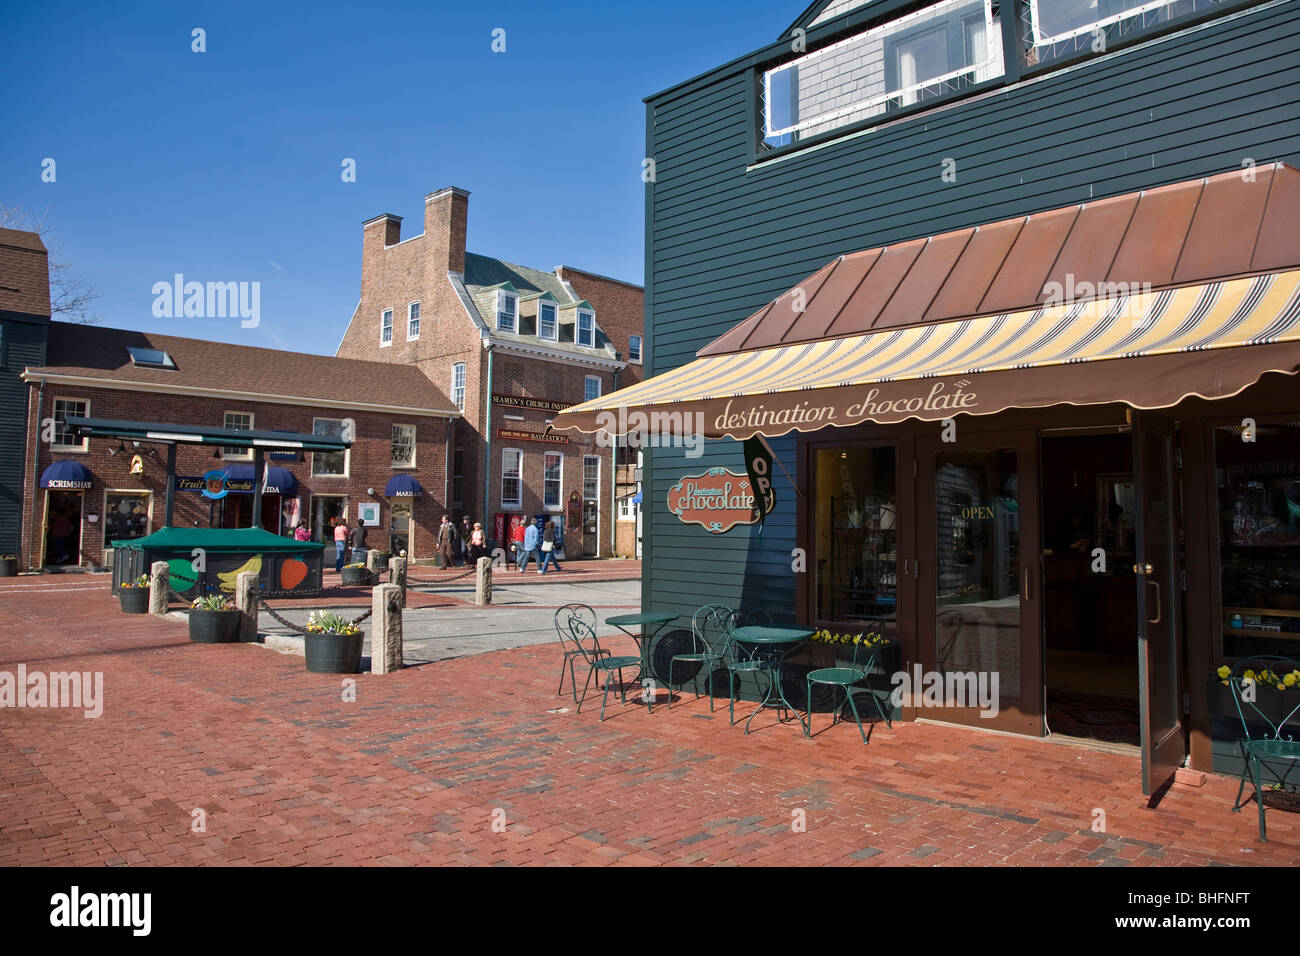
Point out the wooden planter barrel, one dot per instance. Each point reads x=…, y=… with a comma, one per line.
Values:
x=134, y=600
x=355, y=577
x=214, y=627
x=333, y=653
x=8, y=567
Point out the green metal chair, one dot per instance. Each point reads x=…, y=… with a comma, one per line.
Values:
x=582, y=637
x=709, y=638
x=564, y=617
x=1263, y=746
x=846, y=677
x=746, y=659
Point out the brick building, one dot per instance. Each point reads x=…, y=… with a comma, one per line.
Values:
x=80, y=495
x=511, y=346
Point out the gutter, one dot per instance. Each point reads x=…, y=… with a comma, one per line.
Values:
x=487, y=436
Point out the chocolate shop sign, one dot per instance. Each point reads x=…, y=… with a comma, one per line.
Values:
x=716, y=500
x=933, y=401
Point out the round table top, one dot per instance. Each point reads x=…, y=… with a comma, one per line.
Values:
x=649, y=617
x=757, y=634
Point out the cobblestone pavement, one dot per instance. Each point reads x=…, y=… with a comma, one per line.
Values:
x=424, y=762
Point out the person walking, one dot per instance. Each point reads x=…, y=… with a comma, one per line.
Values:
x=340, y=543
x=548, y=548
x=477, y=546
x=359, y=543
x=446, y=535
x=517, y=544
x=532, y=540
x=463, y=534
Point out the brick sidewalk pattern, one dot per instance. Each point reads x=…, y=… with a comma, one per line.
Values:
x=417, y=770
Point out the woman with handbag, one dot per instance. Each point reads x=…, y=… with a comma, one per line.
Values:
x=548, y=547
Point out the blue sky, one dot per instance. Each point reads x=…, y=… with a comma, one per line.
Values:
x=225, y=165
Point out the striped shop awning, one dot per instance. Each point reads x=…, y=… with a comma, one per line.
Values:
x=1149, y=350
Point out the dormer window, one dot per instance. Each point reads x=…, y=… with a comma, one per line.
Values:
x=548, y=326
x=507, y=312
x=586, y=333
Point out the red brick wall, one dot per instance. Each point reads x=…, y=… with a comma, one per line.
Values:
x=620, y=313
x=369, y=463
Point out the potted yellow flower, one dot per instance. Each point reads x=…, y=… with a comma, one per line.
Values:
x=134, y=595
x=214, y=619
x=8, y=565
x=332, y=644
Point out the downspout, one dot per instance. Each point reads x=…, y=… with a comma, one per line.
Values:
x=487, y=444
x=613, y=489
x=36, y=466
x=446, y=464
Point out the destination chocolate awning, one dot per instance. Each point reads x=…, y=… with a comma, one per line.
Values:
x=1209, y=302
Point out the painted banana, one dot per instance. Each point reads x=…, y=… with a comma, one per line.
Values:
x=229, y=579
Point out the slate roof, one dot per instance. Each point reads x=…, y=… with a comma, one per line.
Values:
x=24, y=273
x=322, y=380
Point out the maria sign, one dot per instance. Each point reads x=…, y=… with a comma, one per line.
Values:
x=717, y=500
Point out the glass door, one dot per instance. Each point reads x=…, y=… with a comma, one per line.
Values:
x=978, y=583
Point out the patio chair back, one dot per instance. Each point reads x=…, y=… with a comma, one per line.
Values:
x=581, y=637
x=1267, y=671
x=711, y=629
x=566, y=615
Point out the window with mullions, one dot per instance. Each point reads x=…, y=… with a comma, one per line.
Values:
x=552, y=479
x=1062, y=29
x=928, y=54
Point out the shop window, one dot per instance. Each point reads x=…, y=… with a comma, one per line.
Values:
x=403, y=446
x=239, y=421
x=511, y=478
x=586, y=334
x=329, y=463
x=386, y=328
x=458, y=385
x=65, y=408
x=547, y=324
x=1258, y=476
x=855, y=537
x=413, y=321
x=552, y=479
x=126, y=515
x=591, y=477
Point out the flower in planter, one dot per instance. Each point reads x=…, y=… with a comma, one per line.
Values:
x=357, y=564
x=327, y=622
x=213, y=602
x=141, y=582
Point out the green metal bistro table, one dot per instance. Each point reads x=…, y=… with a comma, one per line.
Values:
x=645, y=626
x=774, y=644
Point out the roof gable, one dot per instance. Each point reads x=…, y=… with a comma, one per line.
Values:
x=24, y=273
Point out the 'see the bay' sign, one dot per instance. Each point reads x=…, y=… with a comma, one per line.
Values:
x=717, y=500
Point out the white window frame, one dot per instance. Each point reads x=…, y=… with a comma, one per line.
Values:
x=347, y=454
x=1041, y=40
x=559, y=482
x=585, y=459
x=414, y=432
x=577, y=329
x=626, y=510
x=586, y=382
x=385, y=328
x=640, y=349
x=227, y=451
x=459, y=402
x=416, y=319
x=502, y=298
x=84, y=446
x=519, y=477
x=555, y=322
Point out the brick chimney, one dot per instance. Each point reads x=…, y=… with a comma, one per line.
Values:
x=446, y=216
x=386, y=228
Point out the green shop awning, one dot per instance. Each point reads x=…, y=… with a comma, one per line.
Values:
x=204, y=435
x=217, y=540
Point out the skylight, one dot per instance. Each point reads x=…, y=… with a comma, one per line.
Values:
x=150, y=358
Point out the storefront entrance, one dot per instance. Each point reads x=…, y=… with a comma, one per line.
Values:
x=62, y=528
x=1090, y=662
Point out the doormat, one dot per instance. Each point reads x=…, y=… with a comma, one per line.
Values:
x=1113, y=719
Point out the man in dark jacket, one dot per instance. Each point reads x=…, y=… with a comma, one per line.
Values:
x=446, y=535
x=359, y=543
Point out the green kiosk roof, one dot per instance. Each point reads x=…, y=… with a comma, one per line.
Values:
x=251, y=540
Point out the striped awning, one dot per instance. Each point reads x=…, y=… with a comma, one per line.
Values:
x=1146, y=349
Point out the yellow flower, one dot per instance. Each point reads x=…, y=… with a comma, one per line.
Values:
x=1225, y=671
x=1248, y=675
